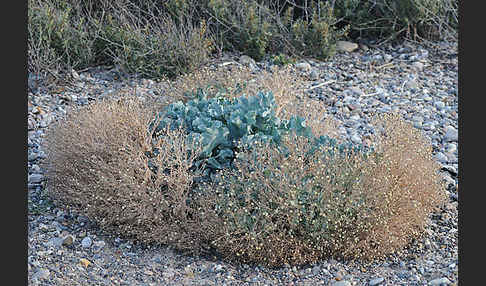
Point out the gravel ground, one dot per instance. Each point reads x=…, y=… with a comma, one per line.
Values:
x=419, y=82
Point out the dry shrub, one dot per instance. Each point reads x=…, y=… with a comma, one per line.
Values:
x=297, y=209
x=404, y=187
x=97, y=166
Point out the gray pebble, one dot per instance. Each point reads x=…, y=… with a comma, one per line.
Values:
x=356, y=91
x=428, y=126
x=35, y=178
x=41, y=274
x=55, y=241
x=342, y=283
x=68, y=240
x=32, y=156
x=86, y=242
x=314, y=74
x=376, y=281
x=441, y=157
x=418, y=65
x=417, y=124
x=218, y=268
x=303, y=66
x=440, y=281
x=451, y=147
x=98, y=245
x=439, y=104
x=35, y=168
x=411, y=84
x=451, y=134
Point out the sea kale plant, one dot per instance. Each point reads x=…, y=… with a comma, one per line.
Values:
x=223, y=126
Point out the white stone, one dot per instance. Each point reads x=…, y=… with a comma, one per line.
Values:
x=346, y=46
x=303, y=66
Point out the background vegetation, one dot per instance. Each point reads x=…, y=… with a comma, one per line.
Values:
x=167, y=38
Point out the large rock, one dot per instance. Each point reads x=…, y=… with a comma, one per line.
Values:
x=346, y=46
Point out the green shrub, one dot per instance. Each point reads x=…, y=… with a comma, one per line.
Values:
x=261, y=28
x=282, y=60
x=426, y=19
x=58, y=37
x=139, y=37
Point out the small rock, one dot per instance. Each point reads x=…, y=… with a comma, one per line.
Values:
x=355, y=91
x=303, y=66
x=346, y=46
x=68, y=240
x=450, y=169
x=429, y=126
x=314, y=74
x=41, y=274
x=35, y=168
x=35, y=178
x=441, y=157
x=418, y=65
x=449, y=182
x=169, y=273
x=439, y=105
x=98, y=245
x=342, y=283
x=86, y=242
x=85, y=262
x=43, y=227
x=32, y=156
x=440, y=281
x=412, y=84
x=56, y=242
x=451, y=134
x=74, y=74
x=247, y=61
x=355, y=139
x=376, y=281
x=451, y=147
x=363, y=47
x=387, y=58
